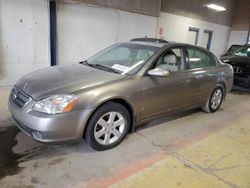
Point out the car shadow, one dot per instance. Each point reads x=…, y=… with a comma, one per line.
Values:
x=240, y=90
x=165, y=119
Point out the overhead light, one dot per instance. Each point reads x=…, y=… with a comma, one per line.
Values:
x=216, y=7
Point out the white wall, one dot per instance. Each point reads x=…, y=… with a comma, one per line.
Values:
x=24, y=44
x=238, y=37
x=175, y=28
x=84, y=29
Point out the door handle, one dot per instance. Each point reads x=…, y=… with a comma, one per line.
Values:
x=199, y=76
x=185, y=82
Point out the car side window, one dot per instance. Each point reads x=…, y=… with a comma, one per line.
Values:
x=170, y=60
x=199, y=59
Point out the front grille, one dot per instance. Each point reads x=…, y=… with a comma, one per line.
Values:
x=237, y=70
x=19, y=98
x=241, y=71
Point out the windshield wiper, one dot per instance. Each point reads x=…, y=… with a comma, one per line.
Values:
x=102, y=67
x=84, y=62
x=99, y=66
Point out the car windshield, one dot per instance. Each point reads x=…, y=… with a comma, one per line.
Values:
x=233, y=48
x=123, y=58
x=242, y=52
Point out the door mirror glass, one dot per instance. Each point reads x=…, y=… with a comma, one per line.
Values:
x=158, y=72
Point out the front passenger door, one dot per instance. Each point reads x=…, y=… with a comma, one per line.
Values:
x=167, y=93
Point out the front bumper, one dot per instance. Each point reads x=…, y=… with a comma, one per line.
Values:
x=57, y=128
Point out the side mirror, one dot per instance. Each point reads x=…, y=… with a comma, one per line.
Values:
x=158, y=72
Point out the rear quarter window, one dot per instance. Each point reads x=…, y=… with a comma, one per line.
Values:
x=199, y=59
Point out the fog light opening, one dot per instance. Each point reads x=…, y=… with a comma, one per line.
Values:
x=37, y=135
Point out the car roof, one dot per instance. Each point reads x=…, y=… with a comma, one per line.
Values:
x=236, y=45
x=168, y=44
x=146, y=39
x=155, y=44
x=241, y=45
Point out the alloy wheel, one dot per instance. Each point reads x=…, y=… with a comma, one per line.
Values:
x=109, y=128
x=216, y=99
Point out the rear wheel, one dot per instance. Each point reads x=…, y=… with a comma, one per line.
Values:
x=108, y=126
x=215, y=100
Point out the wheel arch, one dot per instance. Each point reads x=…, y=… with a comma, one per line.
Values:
x=219, y=84
x=206, y=106
x=121, y=101
x=223, y=85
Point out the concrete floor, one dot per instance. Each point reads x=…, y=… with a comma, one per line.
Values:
x=192, y=149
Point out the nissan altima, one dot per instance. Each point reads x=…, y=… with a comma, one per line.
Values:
x=103, y=98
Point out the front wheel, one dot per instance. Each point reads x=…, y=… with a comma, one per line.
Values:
x=215, y=100
x=108, y=126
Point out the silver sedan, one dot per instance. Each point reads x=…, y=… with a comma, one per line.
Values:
x=105, y=97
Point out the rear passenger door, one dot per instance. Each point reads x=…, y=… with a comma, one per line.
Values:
x=200, y=70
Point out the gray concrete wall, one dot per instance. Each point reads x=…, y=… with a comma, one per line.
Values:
x=176, y=28
x=85, y=29
x=147, y=7
x=195, y=9
x=24, y=38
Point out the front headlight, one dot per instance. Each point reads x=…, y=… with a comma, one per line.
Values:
x=56, y=104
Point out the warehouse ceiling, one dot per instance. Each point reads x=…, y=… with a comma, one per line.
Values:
x=192, y=8
x=146, y=7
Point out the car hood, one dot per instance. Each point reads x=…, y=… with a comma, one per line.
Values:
x=63, y=80
x=235, y=59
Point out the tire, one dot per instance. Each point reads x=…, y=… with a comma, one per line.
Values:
x=210, y=106
x=108, y=126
